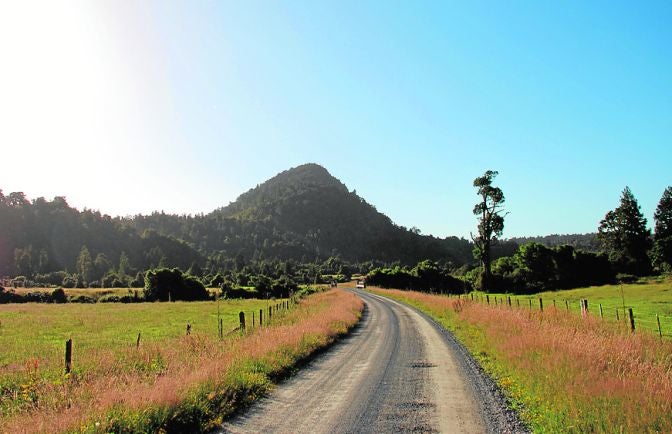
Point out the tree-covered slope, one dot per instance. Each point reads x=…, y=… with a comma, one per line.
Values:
x=301, y=214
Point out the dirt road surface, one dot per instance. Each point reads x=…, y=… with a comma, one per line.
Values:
x=398, y=371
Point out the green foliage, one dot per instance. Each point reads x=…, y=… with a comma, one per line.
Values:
x=58, y=296
x=662, y=246
x=164, y=284
x=625, y=237
x=535, y=267
x=85, y=265
x=490, y=221
x=425, y=276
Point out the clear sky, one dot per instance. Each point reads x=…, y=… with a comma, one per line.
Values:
x=129, y=107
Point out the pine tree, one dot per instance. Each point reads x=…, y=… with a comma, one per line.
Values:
x=625, y=237
x=662, y=246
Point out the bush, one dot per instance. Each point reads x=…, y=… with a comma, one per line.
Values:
x=114, y=298
x=81, y=299
x=163, y=284
x=58, y=296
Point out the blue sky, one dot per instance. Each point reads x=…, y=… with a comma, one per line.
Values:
x=130, y=107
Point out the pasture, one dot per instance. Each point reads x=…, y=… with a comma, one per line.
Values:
x=170, y=378
x=647, y=298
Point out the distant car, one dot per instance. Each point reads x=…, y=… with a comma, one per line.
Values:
x=361, y=284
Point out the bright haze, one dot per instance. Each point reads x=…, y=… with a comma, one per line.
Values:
x=130, y=107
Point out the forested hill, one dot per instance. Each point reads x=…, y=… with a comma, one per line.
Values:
x=301, y=214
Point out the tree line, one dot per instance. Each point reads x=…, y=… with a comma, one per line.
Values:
x=629, y=249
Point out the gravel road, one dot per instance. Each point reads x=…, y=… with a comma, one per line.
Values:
x=398, y=371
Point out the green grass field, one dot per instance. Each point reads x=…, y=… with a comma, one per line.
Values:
x=39, y=331
x=649, y=297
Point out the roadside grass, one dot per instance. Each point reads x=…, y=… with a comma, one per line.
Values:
x=172, y=382
x=648, y=298
x=561, y=372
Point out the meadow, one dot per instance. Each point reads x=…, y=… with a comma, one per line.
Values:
x=562, y=372
x=171, y=381
x=647, y=298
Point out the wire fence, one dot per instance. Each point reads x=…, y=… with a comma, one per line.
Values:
x=629, y=316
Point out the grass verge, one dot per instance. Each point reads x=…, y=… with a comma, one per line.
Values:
x=561, y=372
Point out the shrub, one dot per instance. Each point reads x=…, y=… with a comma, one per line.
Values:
x=163, y=284
x=81, y=299
x=58, y=296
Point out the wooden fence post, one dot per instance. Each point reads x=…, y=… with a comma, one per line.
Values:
x=137, y=343
x=632, y=319
x=270, y=313
x=567, y=305
x=508, y=300
x=660, y=330
x=252, y=319
x=530, y=300
x=221, y=328
x=518, y=302
x=601, y=316
x=541, y=304
x=68, y=356
x=554, y=304
x=261, y=317
x=617, y=318
x=487, y=298
x=241, y=315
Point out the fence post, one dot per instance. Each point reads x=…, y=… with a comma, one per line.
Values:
x=137, y=343
x=472, y=296
x=252, y=319
x=68, y=356
x=601, y=316
x=553, y=304
x=518, y=302
x=617, y=318
x=270, y=313
x=660, y=331
x=221, y=328
x=632, y=319
x=261, y=317
x=567, y=305
x=487, y=298
x=508, y=300
x=530, y=300
x=242, y=320
x=541, y=304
